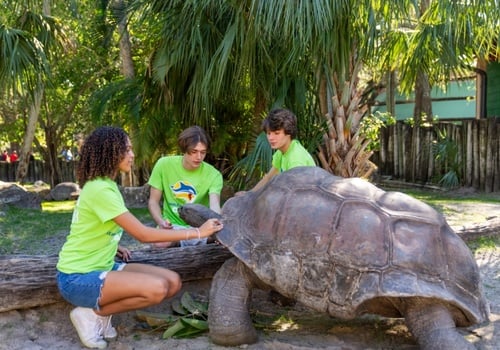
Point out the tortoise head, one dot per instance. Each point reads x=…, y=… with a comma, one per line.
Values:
x=196, y=214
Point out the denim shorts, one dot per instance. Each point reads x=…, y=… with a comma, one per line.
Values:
x=84, y=289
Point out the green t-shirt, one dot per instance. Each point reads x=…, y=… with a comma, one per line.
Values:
x=296, y=155
x=180, y=186
x=93, y=239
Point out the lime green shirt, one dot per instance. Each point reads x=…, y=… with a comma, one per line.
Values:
x=93, y=239
x=296, y=155
x=180, y=186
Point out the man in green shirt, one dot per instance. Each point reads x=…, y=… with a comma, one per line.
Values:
x=280, y=127
x=184, y=179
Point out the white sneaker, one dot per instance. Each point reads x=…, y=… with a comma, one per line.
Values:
x=108, y=331
x=89, y=327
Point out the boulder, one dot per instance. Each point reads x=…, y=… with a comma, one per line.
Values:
x=64, y=191
x=17, y=196
x=135, y=197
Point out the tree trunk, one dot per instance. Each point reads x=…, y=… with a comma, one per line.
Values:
x=120, y=13
x=24, y=156
x=29, y=281
x=423, y=102
x=471, y=232
x=390, y=100
x=51, y=155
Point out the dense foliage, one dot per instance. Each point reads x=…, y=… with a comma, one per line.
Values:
x=156, y=67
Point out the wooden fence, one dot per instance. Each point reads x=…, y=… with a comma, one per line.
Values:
x=37, y=171
x=409, y=153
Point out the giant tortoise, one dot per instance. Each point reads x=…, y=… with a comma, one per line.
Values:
x=347, y=248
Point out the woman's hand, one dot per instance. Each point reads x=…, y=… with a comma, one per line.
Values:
x=210, y=227
x=123, y=253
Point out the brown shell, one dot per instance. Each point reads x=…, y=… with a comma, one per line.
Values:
x=346, y=247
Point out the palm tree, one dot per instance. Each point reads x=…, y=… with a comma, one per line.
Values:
x=26, y=50
x=212, y=50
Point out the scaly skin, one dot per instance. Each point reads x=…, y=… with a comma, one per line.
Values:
x=432, y=325
x=228, y=311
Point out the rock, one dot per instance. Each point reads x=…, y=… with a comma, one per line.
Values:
x=64, y=191
x=135, y=197
x=17, y=196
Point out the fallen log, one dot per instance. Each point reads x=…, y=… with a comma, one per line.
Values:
x=29, y=280
x=471, y=232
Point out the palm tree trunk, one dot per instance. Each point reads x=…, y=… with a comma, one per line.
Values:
x=391, y=85
x=423, y=103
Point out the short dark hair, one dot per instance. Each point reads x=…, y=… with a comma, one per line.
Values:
x=101, y=153
x=281, y=119
x=190, y=137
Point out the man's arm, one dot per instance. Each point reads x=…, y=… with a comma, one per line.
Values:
x=155, y=209
x=214, y=199
x=270, y=174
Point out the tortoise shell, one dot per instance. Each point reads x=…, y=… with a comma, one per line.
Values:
x=346, y=247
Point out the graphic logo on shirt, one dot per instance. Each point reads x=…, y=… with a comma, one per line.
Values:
x=184, y=191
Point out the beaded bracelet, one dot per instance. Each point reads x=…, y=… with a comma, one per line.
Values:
x=197, y=230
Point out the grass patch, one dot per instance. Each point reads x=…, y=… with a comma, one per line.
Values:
x=58, y=207
x=484, y=243
x=439, y=197
x=24, y=231
x=27, y=231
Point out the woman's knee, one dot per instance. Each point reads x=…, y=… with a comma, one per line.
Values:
x=166, y=288
x=174, y=283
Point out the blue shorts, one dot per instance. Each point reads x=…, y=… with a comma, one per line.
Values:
x=84, y=289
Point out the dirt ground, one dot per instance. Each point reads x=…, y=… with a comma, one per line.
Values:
x=49, y=327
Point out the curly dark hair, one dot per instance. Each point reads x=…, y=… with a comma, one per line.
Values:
x=189, y=138
x=101, y=153
x=281, y=119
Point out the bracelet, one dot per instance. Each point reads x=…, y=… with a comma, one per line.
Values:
x=199, y=234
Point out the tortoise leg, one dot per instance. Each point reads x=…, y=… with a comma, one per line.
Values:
x=433, y=327
x=228, y=309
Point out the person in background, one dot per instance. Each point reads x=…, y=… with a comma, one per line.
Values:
x=182, y=179
x=4, y=157
x=280, y=126
x=13, y=156
x=87, y=274
x=66, y=154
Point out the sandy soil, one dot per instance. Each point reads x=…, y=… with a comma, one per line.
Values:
x=49, y=327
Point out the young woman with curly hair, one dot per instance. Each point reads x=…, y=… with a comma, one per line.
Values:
x=87, y=274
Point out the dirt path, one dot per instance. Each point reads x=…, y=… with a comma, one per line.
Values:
x=49, y=327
